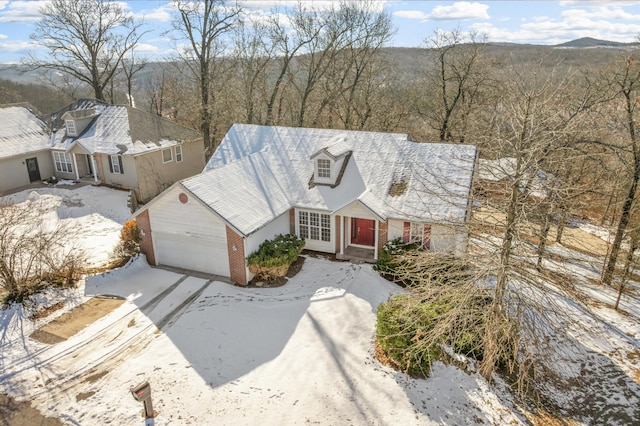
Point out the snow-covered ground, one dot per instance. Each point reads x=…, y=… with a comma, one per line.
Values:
x=297, y=354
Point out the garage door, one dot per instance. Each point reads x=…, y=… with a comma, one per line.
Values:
x=197, y=254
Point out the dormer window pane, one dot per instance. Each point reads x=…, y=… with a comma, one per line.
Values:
x=71, y=127
x=324, y=168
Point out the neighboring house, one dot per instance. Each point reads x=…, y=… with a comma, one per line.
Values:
x=124, y=147
x=496, y=176
x=25, y=155
x=344, y=192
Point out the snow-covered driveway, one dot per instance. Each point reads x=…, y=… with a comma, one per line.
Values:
x=301, y=353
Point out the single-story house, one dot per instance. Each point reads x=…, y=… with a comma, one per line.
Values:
x=115, y=145
x=124, y=147
x=25, y=154
x=344, y=192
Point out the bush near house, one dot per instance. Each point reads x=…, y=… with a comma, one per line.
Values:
x=408, y=265
x=273, y=257
x=444, y=308
x=129, y=244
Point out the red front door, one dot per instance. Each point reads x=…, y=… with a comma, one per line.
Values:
x=363, y=232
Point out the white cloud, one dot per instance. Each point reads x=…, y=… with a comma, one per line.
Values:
x=16, y=46
x=21, y=11
x=160, y=14
x=457, y=11
x=412, y=14
x=460, y=10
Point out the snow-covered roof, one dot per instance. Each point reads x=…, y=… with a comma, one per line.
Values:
x=260, y=172
x=21, y=131
x=119, y=129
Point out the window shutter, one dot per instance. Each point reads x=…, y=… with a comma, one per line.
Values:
x=110, y=164
x=406, y=232
x=120, y=163
x=426, y=237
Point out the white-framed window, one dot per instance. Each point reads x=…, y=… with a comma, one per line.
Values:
x=167, y=155
x=314, y=226
x=178, y=153
x=324, y=168
x=416, y=233
x=71, y=127
x=63, y=162
x=115, y=164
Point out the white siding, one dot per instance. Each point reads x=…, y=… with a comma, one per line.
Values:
x=278, y=226
x=395, y=229
x=169, y=215
x=188, y=235
x=15, y=173
x=452, y=239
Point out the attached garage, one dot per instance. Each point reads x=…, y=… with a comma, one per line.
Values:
x=186, y=234
x=189, y=252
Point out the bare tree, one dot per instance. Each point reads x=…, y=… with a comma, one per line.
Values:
x=535, y=126
x=131, y=65
x=454, y=83
x=86, y=39
x=625, y=81
x=253, y=54
x=203, y=23
x=34, y=254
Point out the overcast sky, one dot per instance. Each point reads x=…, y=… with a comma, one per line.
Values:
x=537, y=22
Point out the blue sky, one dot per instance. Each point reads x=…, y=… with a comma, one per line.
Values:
x=537, y=22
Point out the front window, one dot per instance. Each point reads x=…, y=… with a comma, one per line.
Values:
x=115, y=163
x=314, y=226
x=178, y=153
x=63, y=162
x=167, y=155
x=417, y=233
x=324, y=168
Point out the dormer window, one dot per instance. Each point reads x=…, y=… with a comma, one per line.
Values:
x=71, y=127
x=324, y=168
x=329, y=164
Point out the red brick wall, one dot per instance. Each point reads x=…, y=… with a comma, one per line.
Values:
x=146, y=240
x=237, y=262
x=383, y=228
x=292, y=221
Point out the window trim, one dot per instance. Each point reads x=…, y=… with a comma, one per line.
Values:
x=323, y=170
x=314, y=226
x=115, y=161
x=62, y=159
x=71, y=127
x=170, y=154
x=178, y=152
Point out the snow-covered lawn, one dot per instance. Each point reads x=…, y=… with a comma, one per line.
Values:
x=297, y=354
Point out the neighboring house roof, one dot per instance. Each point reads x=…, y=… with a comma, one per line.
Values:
x=21, y=131
x=538, y=184
x=119, y=129
x=260, y=172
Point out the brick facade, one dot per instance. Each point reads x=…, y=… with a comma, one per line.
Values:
x=383, y=233
x=292, y=221
x=146, y=239
x=237, y=262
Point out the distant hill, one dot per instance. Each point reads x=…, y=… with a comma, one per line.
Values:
x=586, y=42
